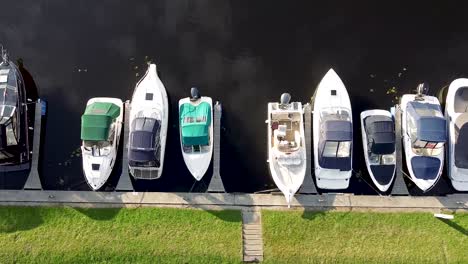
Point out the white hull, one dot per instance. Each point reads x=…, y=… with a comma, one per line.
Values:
x=288, y=177
x=96, y=179
x=458, y=176
x=364, y=114
x=424, y=185
x=332, y=179
x=157, y=106
x=198, y=163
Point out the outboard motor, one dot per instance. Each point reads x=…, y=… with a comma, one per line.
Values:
x=194, y=94
x=421, y=90
x=284, y=100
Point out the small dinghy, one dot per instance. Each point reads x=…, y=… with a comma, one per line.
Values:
x=378, y=140
x=14, y=134
x=286, y=145
x=456, y=113
x=101, y=125
x=148, y=127
x=424, y=136
x=196, y=132
x=333, y=133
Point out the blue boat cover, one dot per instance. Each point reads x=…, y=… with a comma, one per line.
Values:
x=431, y=125
x=380, y=134
x=338, y=130
x=425, y=168
x=383, y=174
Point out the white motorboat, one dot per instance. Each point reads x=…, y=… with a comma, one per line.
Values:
x=332, y=133
x=101, y=125
x=378, y=140
x=148, y=119
x=456, y=113
x=196, y=132
x=286, y=145
x=424, y=136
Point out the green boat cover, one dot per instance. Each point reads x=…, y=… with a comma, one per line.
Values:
x=96, y=120
x=195, y=122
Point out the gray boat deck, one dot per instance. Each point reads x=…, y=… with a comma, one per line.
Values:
x=34, y=182
x=399, y=186
x=216, y=184
x=125, y=183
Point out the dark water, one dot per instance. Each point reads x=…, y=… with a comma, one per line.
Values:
x=242, y=53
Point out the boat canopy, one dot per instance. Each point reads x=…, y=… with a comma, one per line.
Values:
x=429, y=122
x=97, y=119
x=144, y=141
x=380, y=134
x=195, y=122
x=8, y=93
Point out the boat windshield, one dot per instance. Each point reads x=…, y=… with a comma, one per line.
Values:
x=337, y=149
x=375, y=159
x=97, y=148
x=336, y=113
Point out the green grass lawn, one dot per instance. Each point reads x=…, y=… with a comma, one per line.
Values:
x=143, y=235
x=341, y=237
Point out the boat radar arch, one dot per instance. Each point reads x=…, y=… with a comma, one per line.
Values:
x=284, y=100
x=194, y=94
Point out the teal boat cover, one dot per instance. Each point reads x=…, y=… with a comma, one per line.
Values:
x=195, y=122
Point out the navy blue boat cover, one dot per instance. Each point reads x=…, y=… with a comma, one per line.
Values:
x=338, y=130
x=144, y=142
x=431, y=125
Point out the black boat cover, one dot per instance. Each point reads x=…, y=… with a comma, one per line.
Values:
x=335, y=131
x=380, y=132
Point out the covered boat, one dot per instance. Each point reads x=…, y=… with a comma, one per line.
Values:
x=196, y=132
x=333, y=133
x=456, y=113
x=148, y=127
x=286, y=145
x=378, y=138
x=424, y=137
x=101, y=125
x=14, y=136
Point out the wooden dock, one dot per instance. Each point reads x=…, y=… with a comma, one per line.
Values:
x=399, y=185
x=216, y=184
x=125, y=183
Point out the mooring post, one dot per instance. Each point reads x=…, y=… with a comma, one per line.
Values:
x=308, y=186
x=34, y=182
x=216, y=184
x=125, y=184
x=399, y=186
